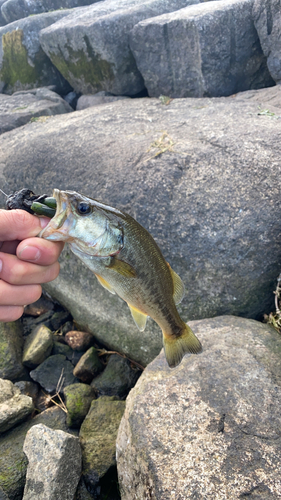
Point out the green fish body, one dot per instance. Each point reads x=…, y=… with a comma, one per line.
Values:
x=127, y=261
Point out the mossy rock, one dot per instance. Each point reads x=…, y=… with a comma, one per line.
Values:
x=78, y=398
x=11, y=344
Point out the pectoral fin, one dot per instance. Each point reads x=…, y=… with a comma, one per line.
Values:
x=105, y=284
x=178, y=286
x=122, y=268
x=139, y=318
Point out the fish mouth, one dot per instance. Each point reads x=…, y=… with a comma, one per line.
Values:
x=58, y=229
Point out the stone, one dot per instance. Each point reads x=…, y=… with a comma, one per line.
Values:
x=38, y=346
x=86, y=101
x=208, y=428
x=98, y=438
x=79, y=341
x=88, y=366
x=30, y=323
x=117, y=379
x=267, y=18
x=13, y=462
x=13, y=10
x=78, y=398
x=210, y=49
x=91, y=48
x=23, y=64
x=60, y=348
x=59, y=319
x=54, y=464
x=28, y=388
x=55, y=371
x=14, y=406
x=42, y=305
x=192, y=174
x=19, y=109
x=11, y=344
x=2, y=20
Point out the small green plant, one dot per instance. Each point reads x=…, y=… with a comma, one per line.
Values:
x=274, y=319
x=265, y=112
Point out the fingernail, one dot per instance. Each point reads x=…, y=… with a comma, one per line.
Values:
x=44, y=221
x=29, y=253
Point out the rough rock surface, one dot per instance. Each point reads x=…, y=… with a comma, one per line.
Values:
x=54, y=464
x=210, y=427
x=91, y=50
x=78, y=398
x=11, y=344
x=98, y=438
x=86, y=101
x=117, y=378
x=79, y=341
x=38, y=346
x=13, y=10
x=13, y=462
x=54, y=369
x=20, y=108
x=267, y=18
x=202, y=175
x=14, y=406
x=210, y=49
x=88, y=366
x=23, y=64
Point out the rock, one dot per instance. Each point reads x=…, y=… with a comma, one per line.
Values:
x=192, y=174
x=208, y=428
x=78, y=398
x=98, y=438
x=59, y=319
x=3, y=495
x=13, y=462
x=88, y=366
x=41, y=306
x=54, y=464
x=28, y=388
x=48, y=374
x=30, y=323
x=267, y=18
x=72, y=99
x=13, y=10
x=23, y=64
x=210, y=49
x=2, y=20
x=19, y=109
x=86, y=101
x=14, y=406
x=38, y=346
x=117, y=379
x=91, y=49
x=60, y=348
x=79, y=341
x=11, y=344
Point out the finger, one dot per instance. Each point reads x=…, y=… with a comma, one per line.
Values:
x=10, y=313
x=41, y=251
x=18, y=272
x=18, y=225
x=9, y=246
x=12, y=295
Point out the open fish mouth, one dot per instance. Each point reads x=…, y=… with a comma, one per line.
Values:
x=58, y=228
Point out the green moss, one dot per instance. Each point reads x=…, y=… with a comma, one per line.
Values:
x=86, y=65
x=15, y=65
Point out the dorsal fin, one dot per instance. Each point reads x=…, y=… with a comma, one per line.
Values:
x=178, y=293
x=138, y=317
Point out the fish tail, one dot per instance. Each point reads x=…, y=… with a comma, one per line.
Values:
x=177, y=346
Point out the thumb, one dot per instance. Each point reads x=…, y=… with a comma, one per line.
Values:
x=19, y=224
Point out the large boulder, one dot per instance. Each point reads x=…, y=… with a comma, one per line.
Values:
x=23, y=64
x=91, y=49
x=210, y=49
x=12, y=10
x=267, y=18
x=211, y=427
x=202, y=175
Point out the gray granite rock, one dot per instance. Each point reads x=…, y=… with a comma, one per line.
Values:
x=13, y=462
x=98, y=438
x=86, y=101
x=88, y=366
x=11, y=345
x=78, y=398
x=210, y=427
x=210, y=49
x=14, y=406
x=23, y=64
x=54, y=464
x=202, y=175
x=91, y=50
x=117, y=379
x=37, y=347
x=267, y=18
x=51, y=371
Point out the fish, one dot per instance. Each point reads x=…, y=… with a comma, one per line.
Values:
x=126, y=261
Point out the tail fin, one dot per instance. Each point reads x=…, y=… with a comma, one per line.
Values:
x=177, y=347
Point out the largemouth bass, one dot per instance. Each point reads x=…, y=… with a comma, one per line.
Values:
x=127, y=261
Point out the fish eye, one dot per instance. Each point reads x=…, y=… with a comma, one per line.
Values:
x=83, y=208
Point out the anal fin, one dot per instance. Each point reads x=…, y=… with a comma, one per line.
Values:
x=105, y=284
x=178, y=292
x=138, y=317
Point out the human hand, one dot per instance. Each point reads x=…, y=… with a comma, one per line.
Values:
x=25, y=261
